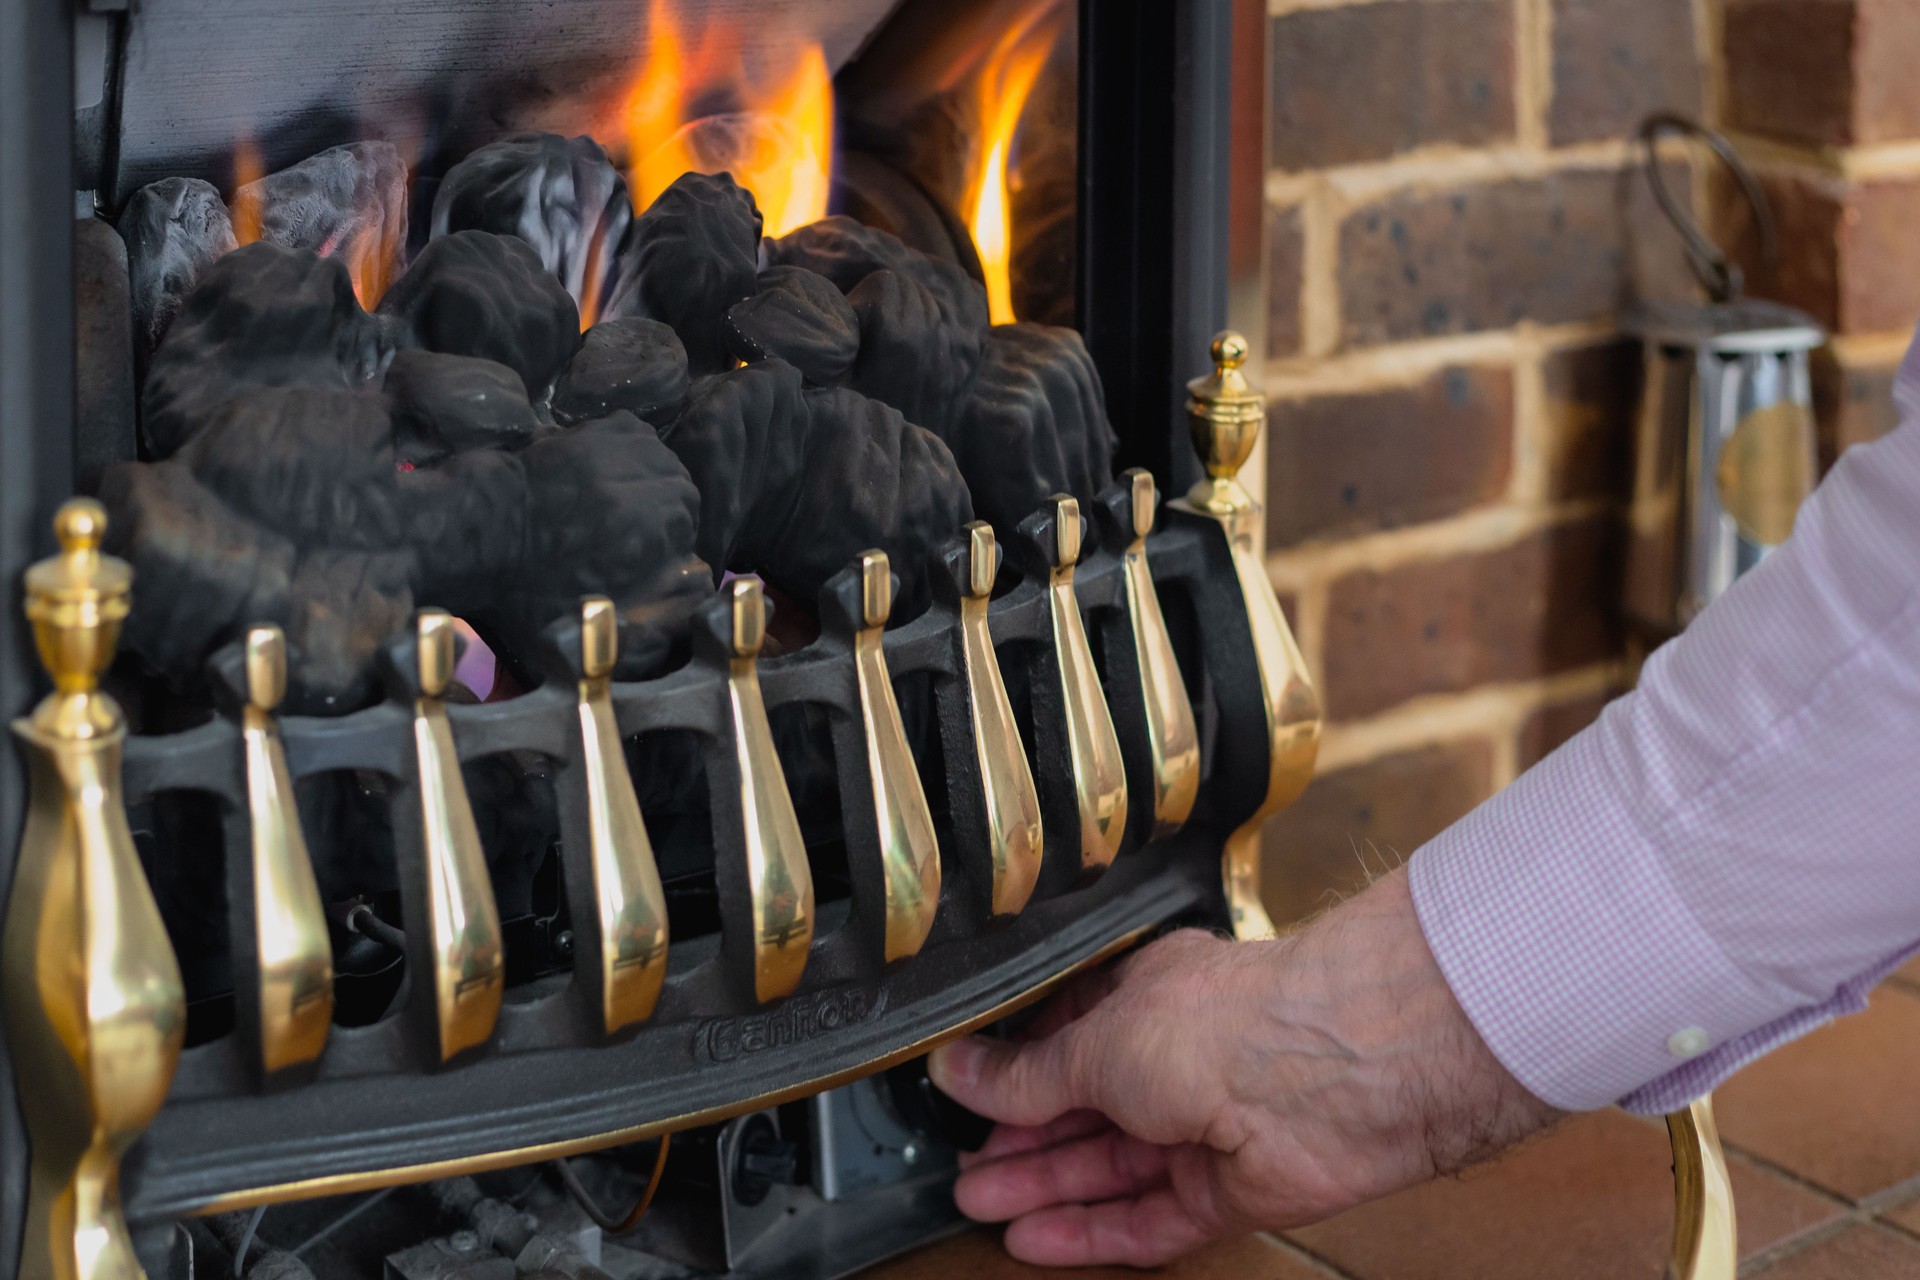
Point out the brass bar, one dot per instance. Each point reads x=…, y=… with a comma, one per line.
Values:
x=1705, y=1239
x=290, y=927
x=779, y=880
x=468, y=952
x=1173, y=740
x=909, y=850
x=95, y=1008
x=1015, y=838
x=1224, y=414
x=1099, y=774
x=631, y=904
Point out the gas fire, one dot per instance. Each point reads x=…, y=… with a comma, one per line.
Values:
x=1002, y=84
x=774, y=135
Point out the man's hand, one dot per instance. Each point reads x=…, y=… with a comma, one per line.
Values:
x=1201, y=1087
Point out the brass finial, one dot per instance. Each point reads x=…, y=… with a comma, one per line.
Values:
x=1224, y=413
x=76, y=601
x=1066, y=531
x=876, y=588
x=437, y=652
x=266, y=666
x=983, y=559
x=599, y=638
x=749, y=617
x=1141, y=500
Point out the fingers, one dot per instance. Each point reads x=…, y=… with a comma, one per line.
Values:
x=1142, y=1232
x=1012, y=1139
x=1099, y=1167
x=1072, y=1003
x=1020, y=1084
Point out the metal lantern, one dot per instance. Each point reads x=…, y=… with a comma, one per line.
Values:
x=1725, y=452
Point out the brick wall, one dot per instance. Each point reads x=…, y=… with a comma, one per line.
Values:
x=1454, y=217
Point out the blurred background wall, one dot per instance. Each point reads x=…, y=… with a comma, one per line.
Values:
x=1454, y=217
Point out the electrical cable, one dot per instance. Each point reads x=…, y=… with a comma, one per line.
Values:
x=606, y=1222
x=246, y=1243
x=361, y=920
x=341, y=1221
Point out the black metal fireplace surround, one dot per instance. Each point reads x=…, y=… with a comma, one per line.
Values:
x=379, y=1108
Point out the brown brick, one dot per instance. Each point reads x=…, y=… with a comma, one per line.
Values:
x=1344, y=463
x=1284, y=277
x=1827, y=72
x=1545, y=604
x=1852, y=403
x=1848, y=254
x=1789, y=68
x=1364, y=819
x=1552, y=724
x=1367, y=81
x=1616, y=60
x=1807, y=213
x=1568, y=246
x=1886, y=104
x=1593, y=396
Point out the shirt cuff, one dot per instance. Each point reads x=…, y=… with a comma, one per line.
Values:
x=1557, y=928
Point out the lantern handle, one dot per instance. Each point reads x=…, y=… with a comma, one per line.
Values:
x=1722, y=280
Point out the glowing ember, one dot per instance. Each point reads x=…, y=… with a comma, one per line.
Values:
x=1003, y=82
x=775, y=138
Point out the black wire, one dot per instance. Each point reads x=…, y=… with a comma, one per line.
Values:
x=246, y=1242
x=341, y=1221
x=605, y=1221
x=362, y=921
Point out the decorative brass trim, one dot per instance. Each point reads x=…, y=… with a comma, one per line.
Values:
x=1173, y=740
x=339, y=1184
x=1099, y=774
x=1015, y=837
x=1224, y=413
x=632, y=905
x=95, y=1008
x=909, y=849
x=779, y=879
x=290, y=926
x=1705, y=1239
x=468, y=950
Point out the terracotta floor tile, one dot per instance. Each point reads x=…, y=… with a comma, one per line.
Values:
x=1594, y=1199
x=1906, y=1215
x=1858, y=1253
x=1839, y=1107
x=977, y=1255
x=1908, y=974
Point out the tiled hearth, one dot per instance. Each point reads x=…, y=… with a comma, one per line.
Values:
x=1824, y=1139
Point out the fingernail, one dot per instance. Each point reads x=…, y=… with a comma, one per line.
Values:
x=956, y=1066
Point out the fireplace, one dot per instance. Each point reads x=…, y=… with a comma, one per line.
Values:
x=674, y=566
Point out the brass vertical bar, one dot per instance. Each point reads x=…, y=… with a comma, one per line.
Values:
x=95, y=1007
x=1173, y=741
x=290, y=929
x=909, y=850
x=1015, y=837
x=1705, y=1239
x=1224, y=414
x=468, y=951
x=1099, y=773
x=631, y=904
x=779, y=879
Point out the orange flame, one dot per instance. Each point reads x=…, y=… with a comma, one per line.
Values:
x=248, y=168
x=1004, y=81
x=776, y=141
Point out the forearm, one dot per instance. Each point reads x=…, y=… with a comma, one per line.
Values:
x=1725, y=859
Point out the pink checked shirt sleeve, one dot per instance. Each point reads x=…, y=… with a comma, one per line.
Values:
x=1730, y=856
